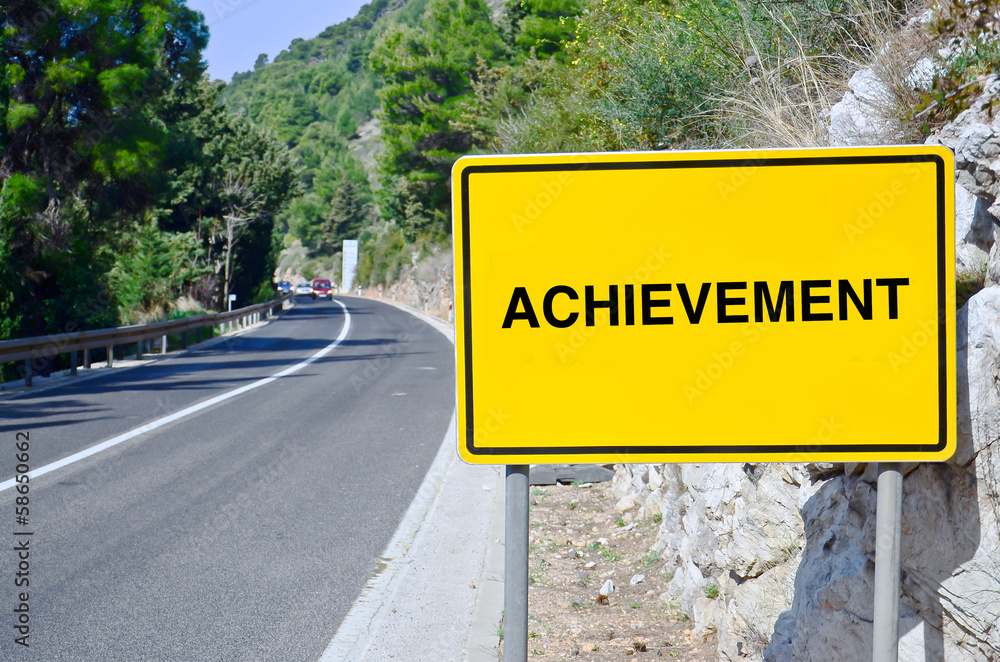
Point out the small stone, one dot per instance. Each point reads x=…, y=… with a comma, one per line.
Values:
x=572, y=554
x=604, y=597
x=627, y=502
x=637, y=579
x=602, y=542
x=589, y=564
x=588, y=648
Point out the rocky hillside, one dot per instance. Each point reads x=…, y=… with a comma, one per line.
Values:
x=790, y=548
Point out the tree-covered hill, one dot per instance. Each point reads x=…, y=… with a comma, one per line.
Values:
x=424, y=68
x=314, y=95
x=124, y=184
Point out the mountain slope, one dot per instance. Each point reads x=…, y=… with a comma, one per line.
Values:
x=314, y=96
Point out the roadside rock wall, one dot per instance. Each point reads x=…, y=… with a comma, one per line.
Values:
x=779, y=558
x=426, y=284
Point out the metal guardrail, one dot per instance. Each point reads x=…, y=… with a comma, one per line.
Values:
x=30, y=350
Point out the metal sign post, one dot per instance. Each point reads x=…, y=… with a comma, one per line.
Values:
x=515, y=565
x=888, y=562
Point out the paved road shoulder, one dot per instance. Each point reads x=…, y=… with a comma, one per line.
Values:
x=439, y=594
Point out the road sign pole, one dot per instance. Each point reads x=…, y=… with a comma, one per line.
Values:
x=888, y=562
x=515, y=565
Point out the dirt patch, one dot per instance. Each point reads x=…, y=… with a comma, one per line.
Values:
x=577, y=543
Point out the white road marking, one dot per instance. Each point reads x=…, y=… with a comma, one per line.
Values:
x=160, y=422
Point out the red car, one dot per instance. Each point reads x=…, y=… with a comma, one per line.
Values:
x=322, y=289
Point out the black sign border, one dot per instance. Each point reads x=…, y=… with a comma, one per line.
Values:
x=811, y=452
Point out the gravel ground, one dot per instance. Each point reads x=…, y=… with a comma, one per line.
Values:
x=578, y=542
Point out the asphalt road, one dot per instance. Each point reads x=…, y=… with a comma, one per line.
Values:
x=243, y=531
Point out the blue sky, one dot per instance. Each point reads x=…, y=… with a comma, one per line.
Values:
x=242, y=29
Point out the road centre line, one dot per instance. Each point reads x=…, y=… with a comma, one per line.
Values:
x=160, y=422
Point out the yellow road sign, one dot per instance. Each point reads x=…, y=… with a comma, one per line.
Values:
x=753, y=306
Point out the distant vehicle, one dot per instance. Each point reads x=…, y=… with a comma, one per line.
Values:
x=321, y=288
x=303, y=289
x=283, y=286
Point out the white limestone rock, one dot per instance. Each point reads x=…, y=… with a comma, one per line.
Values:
x=863, y=116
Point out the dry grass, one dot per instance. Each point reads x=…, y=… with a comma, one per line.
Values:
x=785, y=99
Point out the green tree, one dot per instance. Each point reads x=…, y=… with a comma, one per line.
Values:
x=83, y=141
x=544, y=26
x=639, y=75
x=350, y=211
x=427, y=72
x=226, y=173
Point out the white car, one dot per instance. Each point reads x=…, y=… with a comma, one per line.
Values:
x=303, y=289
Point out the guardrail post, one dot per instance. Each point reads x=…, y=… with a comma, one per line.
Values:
x=86, y=359
x=138, y=349
x=72, y=362
x=111, y=356
x=184, y=339
x=163, y=345
x=27, y=372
